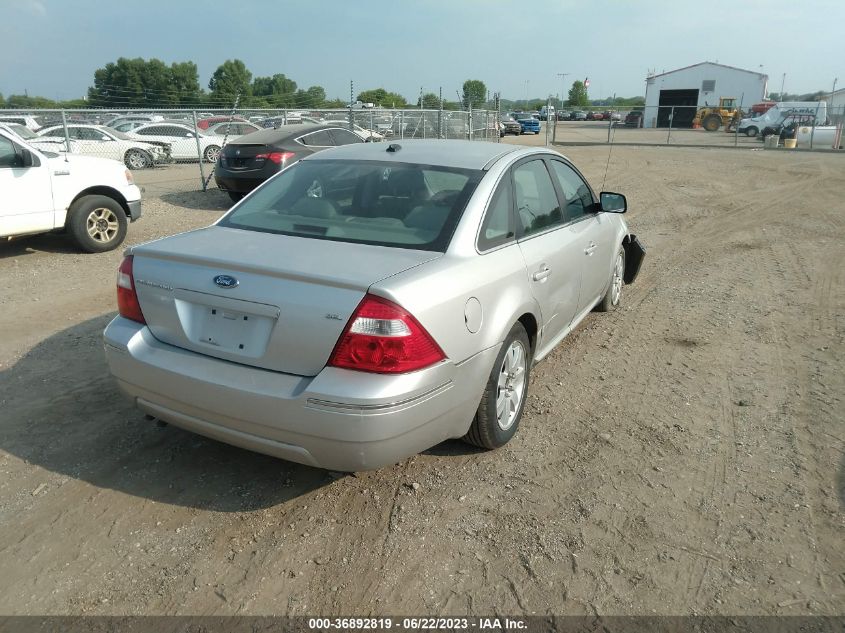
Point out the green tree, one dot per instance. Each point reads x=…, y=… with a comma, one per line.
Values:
x=24, y=101
x=578, y=95
x=430, y=101
x=231, y=78
x=138, y=82
x=276, y=91
x=475, y=93
x=185, y=81
x=382, y=97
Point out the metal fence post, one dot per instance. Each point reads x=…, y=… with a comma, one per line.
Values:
x=199, y=151
x=401, y=124
x=469, y=120
x=671, y=118
x=67, y=136
x=813, y=128
x=440, y=116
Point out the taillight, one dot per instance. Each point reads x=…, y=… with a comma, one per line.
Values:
x=383, y=338
x=127, y=299
x=276, y=157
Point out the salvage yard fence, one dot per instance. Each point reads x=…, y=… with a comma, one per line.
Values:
x=677, y=125
x=176, y=150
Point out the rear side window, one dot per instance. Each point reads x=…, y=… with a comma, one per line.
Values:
x=389, y=204
x=345, y=137
x=320, y=138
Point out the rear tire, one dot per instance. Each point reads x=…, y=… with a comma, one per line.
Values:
x=610, y=300
x=211, y=153
x=236, y=196
x=97, y=223
x=751, y=131
x=503, y=401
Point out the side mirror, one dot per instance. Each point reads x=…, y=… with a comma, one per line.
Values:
x=612, y=202
x=27, y=158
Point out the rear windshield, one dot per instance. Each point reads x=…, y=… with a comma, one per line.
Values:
x=387, y=204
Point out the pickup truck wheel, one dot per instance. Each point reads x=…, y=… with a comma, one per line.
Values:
x=610, y=300
x=137, y=159
x=97, y=223
x=503, y=400
x=211, y=153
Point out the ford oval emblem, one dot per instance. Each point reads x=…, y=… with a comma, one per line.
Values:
x=225, y=281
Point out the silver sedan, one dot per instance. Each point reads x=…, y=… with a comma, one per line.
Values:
x=370, y=301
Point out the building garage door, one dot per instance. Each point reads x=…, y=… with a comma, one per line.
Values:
x=686, y=99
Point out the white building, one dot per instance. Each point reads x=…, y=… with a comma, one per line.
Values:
x=694, y=86
x=836, y=106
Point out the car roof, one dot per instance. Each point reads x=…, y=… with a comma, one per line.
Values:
x=444, y=153
x=274, y=135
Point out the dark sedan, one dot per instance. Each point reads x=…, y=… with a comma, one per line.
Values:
x=249, y=160
x=511, y=125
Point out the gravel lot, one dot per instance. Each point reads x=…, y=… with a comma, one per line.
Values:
x=683, y=455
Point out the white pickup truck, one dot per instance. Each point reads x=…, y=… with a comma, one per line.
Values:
x=92, y=199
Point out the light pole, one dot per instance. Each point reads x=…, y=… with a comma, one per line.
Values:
x=782, y=82
x=562, y=86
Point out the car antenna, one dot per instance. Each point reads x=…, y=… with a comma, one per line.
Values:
x=609, y=152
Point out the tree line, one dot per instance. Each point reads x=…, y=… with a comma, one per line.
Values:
x=141, y=83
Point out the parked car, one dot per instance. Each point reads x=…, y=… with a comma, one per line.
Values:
x=594, y=116
x=579, y=115
x=147, y=118
x=104, y=142
x=634, y=119
x=369, y=136
x=21, y=130
x=207, y=122
x=91, y=199
x=249, y=160
x=233, y=129
x=511, y=125
x=612, y=115
x=527, y=122
x=26, y=120
x=564, y=115
x=182, y=140
x=370, y=301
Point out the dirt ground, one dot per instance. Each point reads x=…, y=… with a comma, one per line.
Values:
x=683, y=455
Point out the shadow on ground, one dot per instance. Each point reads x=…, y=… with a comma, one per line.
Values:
x=60, y=409
x=44, y=243
x=202, y=200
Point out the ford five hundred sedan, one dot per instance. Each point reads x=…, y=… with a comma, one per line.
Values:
x=370, y=301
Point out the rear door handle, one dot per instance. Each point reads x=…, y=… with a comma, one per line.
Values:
x=541, y=274
x=589, y=250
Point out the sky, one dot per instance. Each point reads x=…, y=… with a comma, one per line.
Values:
x=517, y=47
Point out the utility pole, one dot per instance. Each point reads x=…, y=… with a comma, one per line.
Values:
x=562, y=86
x=782, y=82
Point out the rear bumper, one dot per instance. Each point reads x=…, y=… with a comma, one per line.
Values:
x=340, y=420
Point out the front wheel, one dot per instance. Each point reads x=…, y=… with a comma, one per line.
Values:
x=137, y=159
x=211, y=153
x=96, y=223
x=751, y=131
x=503, y=400
x=610, y=300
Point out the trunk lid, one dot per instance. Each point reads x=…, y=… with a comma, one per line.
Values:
x=271, y=301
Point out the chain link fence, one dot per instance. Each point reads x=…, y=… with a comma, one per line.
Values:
x=818, y=127
x=173, y=150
